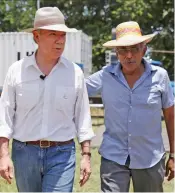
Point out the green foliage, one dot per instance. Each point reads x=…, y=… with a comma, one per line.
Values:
x=98, y=17
x=16, y=15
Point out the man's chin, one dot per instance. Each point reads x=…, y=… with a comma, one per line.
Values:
x=58, y=54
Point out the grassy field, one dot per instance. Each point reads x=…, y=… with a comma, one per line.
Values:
x=93, y=185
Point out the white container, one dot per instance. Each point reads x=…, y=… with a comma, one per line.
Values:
x=16, y=45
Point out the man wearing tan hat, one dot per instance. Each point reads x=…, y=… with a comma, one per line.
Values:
x=44, y=106
x=134, y=93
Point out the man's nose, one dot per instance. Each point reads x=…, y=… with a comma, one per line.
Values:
x=128, y=54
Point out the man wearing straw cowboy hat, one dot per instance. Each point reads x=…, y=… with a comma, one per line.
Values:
x=134, y=93
x=44, y=105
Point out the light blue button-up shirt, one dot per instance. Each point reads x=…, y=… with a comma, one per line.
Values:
x=132, y=116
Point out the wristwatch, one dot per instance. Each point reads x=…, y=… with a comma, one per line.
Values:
x=171, y=155
x=86, y=153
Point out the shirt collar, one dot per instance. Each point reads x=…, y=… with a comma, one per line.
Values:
x=32, y=61
x=148, y=67
x=116, y=69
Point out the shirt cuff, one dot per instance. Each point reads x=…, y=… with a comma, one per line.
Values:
x=86, y=136
x=5, y=132
x=170, y=104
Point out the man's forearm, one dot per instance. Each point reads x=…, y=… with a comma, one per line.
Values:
x=85, y=146
x=4, y=147
x=169, y=120
x=170, y=131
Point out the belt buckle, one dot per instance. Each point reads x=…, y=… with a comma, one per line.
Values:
x=44, y=146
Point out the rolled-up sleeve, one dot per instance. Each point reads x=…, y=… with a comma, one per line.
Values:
x=7, y=108
x=82, y=114
x=94, y=83
x=167, y=94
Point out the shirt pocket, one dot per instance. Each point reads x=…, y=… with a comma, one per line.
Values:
x=154, y=95
x=27, y=95
x=65, y=98
x=150, y=96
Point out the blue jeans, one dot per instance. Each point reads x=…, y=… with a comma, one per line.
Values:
x=44, y=169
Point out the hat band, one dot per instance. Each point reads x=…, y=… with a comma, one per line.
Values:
x=48, y=21
x=128, y=31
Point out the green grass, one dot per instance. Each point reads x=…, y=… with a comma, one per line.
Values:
x=93, y=185
x=163, y=125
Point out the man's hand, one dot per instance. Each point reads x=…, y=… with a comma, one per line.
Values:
x=170, y=169
x=85, y=169
x=6, y=168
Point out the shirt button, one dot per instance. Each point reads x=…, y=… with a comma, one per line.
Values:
x=131, y=107
x=129, y=135
x=129, y=121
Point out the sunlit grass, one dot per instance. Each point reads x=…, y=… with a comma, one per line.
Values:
x=93, y=185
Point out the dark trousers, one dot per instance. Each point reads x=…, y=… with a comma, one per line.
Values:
x=116, y=178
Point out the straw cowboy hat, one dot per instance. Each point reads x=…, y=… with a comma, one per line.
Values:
x=50, y=18
x=128, y=34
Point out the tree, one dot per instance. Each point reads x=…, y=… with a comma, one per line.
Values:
x=97, y=17
x=16, y=15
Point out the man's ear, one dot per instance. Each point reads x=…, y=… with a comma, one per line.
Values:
x=35, y=36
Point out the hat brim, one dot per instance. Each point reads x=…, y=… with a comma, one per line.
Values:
x=58, y=27
x=129, y=40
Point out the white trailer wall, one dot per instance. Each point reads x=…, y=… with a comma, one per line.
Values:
x=16, y=45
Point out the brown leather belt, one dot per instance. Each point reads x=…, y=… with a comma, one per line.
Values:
x=45, y=143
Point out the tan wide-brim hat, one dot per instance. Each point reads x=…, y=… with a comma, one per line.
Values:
x=128, y=34
x=50, y=18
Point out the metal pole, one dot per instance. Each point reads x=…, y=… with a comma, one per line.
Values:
x=38, y=4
